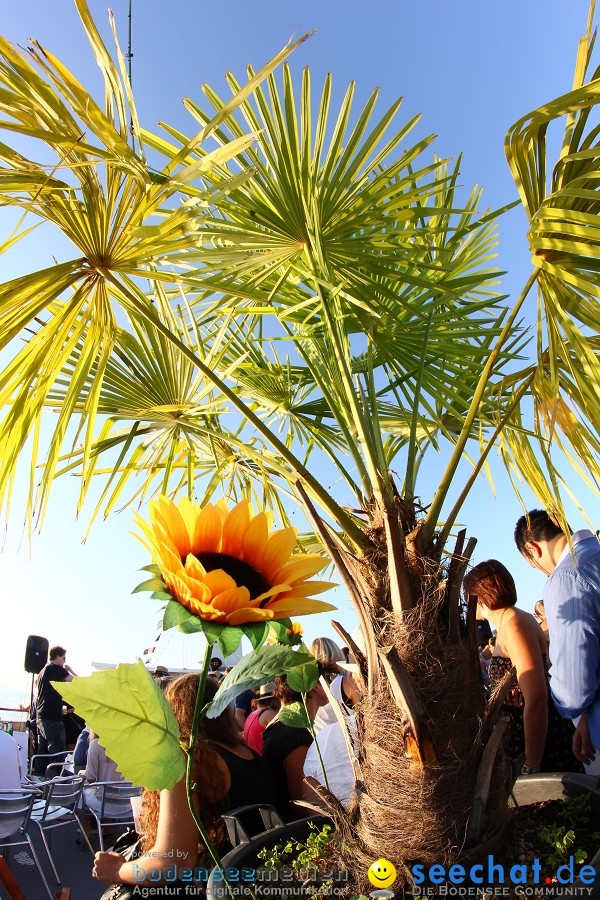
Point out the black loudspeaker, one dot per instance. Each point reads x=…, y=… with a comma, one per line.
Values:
x=36, y=654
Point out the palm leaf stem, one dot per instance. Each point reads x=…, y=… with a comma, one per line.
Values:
x=435, y=509
x=376, y=476
x=411, y=461
x=325, y=387
x=340, y=516
x=451, y=517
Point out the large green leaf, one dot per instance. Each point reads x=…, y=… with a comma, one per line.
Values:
x=295, y=714
x=303, y=678
x=256, y=669
x=133, y=721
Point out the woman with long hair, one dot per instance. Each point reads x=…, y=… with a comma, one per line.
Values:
x=227, y=774
x=285, y=746
x=536, y=737
x=343, y=685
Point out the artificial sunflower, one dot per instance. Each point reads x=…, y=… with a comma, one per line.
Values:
x=225, y=567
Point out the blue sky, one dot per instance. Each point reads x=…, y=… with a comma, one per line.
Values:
x=470, y=67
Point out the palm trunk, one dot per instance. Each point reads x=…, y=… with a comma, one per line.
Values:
x=435, y=783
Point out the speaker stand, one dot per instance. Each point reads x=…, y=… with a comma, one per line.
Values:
x=31, y=747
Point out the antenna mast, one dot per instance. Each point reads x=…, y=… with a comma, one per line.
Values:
x=129, y=56
x=129, y=53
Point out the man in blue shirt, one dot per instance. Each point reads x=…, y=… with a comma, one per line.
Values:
x=572, y=603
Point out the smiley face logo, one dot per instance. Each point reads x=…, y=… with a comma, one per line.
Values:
x=382, y=873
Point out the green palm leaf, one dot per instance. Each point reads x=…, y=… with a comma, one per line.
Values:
x=564, y=238
x=121, y=217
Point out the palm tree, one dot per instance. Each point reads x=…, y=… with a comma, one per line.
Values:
x=309, y=298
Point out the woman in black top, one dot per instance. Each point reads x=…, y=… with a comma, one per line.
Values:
x=285, y=746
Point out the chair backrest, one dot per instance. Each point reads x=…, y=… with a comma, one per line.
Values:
x=15, y=810
x=63, y=792
x=115, y=800
x=55, y=762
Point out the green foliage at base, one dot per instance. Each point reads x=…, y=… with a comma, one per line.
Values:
x=576, y=811
x=303, y=857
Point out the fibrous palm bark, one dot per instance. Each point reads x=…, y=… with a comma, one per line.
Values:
x=434, y=783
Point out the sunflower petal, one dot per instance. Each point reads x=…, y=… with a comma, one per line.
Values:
x=300, y=606
x=234, y=528
x=165, y=514
x=254, y=543
x=301, y=567
x=307, y=588
x=189, y=513
x=236, y=598
x=177, y=587
x=194, y=568
x=147, y=537
x=241, y=616
x=207, y=534
x=272, y=592
x=202, y=610
x=197, y=589
x=167, y=559
x=218, y=581
x=279, y=549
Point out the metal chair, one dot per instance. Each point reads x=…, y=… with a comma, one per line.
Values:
x=56, y=764
x=15, y=819
x=109, y=802
x=57, y=808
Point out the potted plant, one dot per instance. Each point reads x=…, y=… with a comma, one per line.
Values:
x=534, y=789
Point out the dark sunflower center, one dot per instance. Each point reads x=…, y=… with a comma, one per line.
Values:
x=242, y=573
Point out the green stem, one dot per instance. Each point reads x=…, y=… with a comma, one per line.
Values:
x=343, y=519
x=199, y=712
x=451, y=518
x=377, y=481
x=331, y=401
x=440, y=496
x=411, y=460
x=311, y=728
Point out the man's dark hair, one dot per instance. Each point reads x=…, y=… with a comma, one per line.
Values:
x=216, y=662
x=56, y=651
x=535, y=526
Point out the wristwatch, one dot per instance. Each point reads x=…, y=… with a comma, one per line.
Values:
x=529, y=770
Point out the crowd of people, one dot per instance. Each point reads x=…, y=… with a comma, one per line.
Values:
x=250, y=754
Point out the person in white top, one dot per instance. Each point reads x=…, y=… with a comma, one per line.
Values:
x=342, y=677
x=99, y=768
x=327, y=652
x=336, y=761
